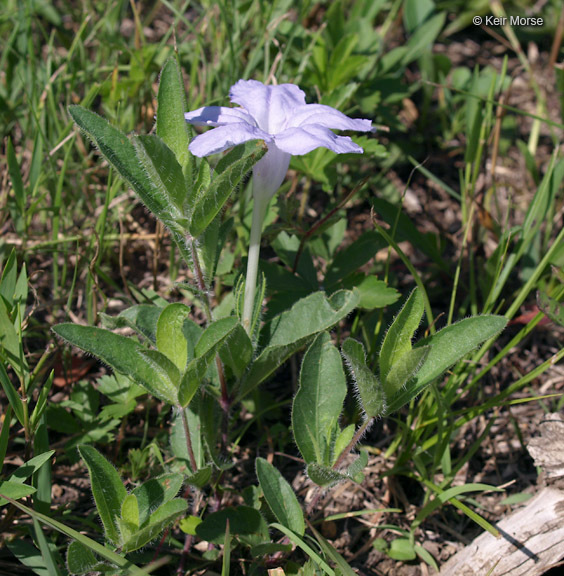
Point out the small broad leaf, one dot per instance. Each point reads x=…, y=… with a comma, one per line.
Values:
x=229, y=173
x=178, y=440
x=551, y=307
x=171, y=126
x=130, y=510
x=324, y=475
x=370, y=391
x=31, y=467
x=165, y=173
x=398, y=338
x=210, y=342
x=319, y=401
x=162, y=518
x=244, y=522
x=293, y=329
x=142, y=318
x=170, y=334
x=344, y=438
x=81, y=560
x=154, y=493
x=280, y=497
x=120, y=153
x=404, y=370
x=375, y=293
x=123, y=355
x=351, y=258
x=14, y=490
x=447, y=347
x=237, y=351
x=107, y=489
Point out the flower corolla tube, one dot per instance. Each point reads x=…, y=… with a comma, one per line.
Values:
x=280, y=116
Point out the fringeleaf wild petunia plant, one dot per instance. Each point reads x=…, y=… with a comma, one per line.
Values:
x=203, y=370
x=280, y=116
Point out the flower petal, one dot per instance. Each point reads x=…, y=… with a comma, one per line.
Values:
x=322, y=115
x=223, y=137
x=218, y=116
x=270, y=106
x=298, y=141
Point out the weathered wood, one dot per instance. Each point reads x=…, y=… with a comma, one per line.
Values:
x=532, y=540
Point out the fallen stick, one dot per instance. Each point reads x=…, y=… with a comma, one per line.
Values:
x=532, y=540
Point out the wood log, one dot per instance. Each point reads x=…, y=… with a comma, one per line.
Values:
x=532, y=540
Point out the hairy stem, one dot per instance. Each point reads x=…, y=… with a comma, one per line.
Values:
x=193, y=463
x=225, y=401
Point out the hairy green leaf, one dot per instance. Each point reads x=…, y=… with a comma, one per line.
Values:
x=123, y=355
x=447, y=347
x=370, y=391
x=319, y=401
x=398, y=338
x=229, y=173
x=293, y=329
x=280, y=497
x=170, y=334
x=107, y=489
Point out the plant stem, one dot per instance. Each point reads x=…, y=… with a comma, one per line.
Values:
x=225, y=401
x=259, y=210
x=193, y=462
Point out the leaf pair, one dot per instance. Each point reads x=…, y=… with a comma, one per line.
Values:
x=174, y=371
x=406, y=370
x=131, y=520
x=159, y=168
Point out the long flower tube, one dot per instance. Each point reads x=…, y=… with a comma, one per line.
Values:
x=280, y=116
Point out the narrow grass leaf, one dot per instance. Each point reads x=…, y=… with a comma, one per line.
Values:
x=5, y=434
x=225, y=564
x=329, y=551
x=46, y=552
x=110, y=555
x=12, y=395
x=300, y=543
x=107, y=489
x=319, y=401
x=280, y=497
x=123, y=355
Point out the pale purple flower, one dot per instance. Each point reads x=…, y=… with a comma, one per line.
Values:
x=280, y=116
